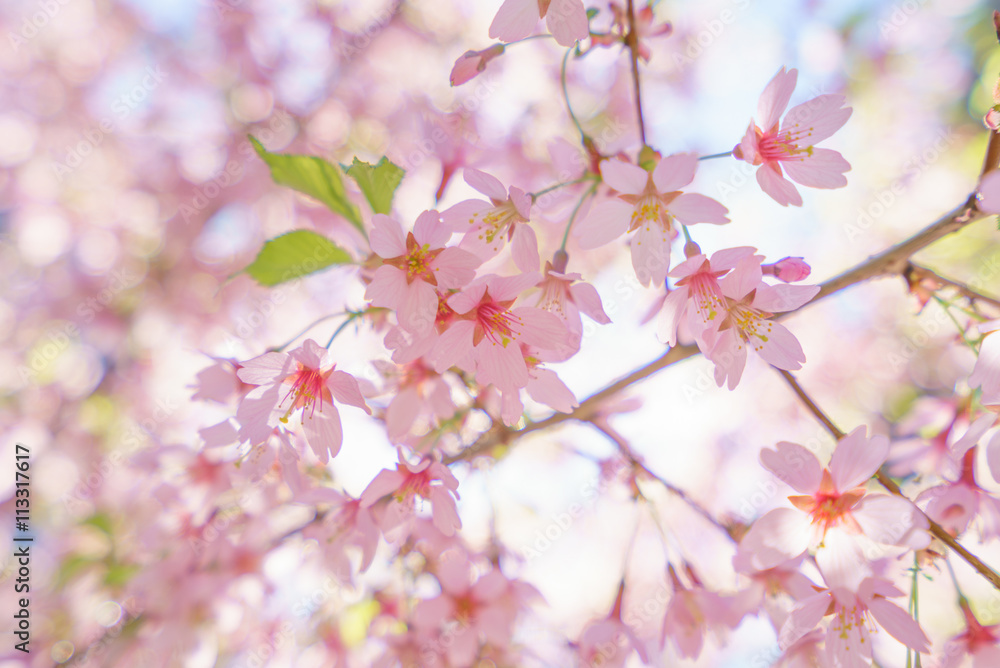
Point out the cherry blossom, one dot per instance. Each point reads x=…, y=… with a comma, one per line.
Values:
x=986, y=373
x=486, y=225
x=471, y=63
x=648, y=204
x=287, y=382
x=427, y=479
x=977, y=641
x=832, y=501
x=792, y=144
x=414, y=266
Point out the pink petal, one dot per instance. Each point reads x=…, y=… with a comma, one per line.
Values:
x=993, y=456
x=504, y=288
x=777, y=186
x=780, y=348
x=452, y=346
x=418, y=311
x=823, y=169
x=467, y=299
x=986, y=372
x=624, y=176
x=485, y=183
x=265, y=369
x=387, y=239
x=444, y=511
x=323, y=431
x=670, y=315
x=651, y=254
x=841, y=560
x=989, y=192
x=775, y=98
x=744, y=278
x=586, y=297
x=345, y=389
x=511, y=407
x=401, y=413
x=779, y=535
x=567, y=21
x=749, y=146
x=524, y=248
x=455, y=268
x=310, y=354
x=899, y=624
x=691, y=208
x=606, y=222
x=803, y=618
x=430, y=230
x=849, y=647
x=388, y=288
x=730, y=358
x=385, y=483
x=461, y=217
x=892, y=520
x=813, y=121
x=522, y=202
x=547, y=388
x=674, y=172
x=972, y=435
x=501, y=365
x=780, y=298
x=515, y=20
x=793, y=465
x=539, y=328
x=857, y=458
x=255, y=413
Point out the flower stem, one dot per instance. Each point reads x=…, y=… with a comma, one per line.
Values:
x=563, y=184
x=278, y=349
x=716, y=155
x=565, y=90
x=590, y=191
x=632, y=41
x=352, y=316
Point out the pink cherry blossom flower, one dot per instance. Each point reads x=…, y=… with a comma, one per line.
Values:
x=856, y=611
x=977, y=641
x=471, y=63
x=833, y=501
x=544, y=386
x=792, y=146
x=417, y=390
x=648, y=205
x=492, y=329
x=566, y=20
x=297, y=380
x=645, y=28
x=609, y=642
x=220, y=383
x=788, y=270
x=697, y=299
x=472, y=609
x=487, y=224
x=566, y=295
x=428, y=479
x=345, y=524
x=986, y=372
x=954, y=505
x=413, y=266
x=693, y=611
x=743, y=323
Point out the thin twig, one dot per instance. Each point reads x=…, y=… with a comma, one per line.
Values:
x=632, y=41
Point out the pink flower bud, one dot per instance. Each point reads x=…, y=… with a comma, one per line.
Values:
x=789, y=270
x=471, y=63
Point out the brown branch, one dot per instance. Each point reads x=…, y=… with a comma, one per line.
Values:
x=626, y=452
x=892, y=261
x=992, y=159
x=919, y=272
x=632, y=41
x=936, y=529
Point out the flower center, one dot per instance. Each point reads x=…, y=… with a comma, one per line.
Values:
x=496, y=220
x=307, y=386
x=785, y=145
x=496, y=324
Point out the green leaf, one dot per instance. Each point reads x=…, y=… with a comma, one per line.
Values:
x=119, y=575
x=378, y=183
x=293, y=255
x=100, y=521
x=312, y=176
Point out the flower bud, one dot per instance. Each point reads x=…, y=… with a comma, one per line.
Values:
x=789, y=270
